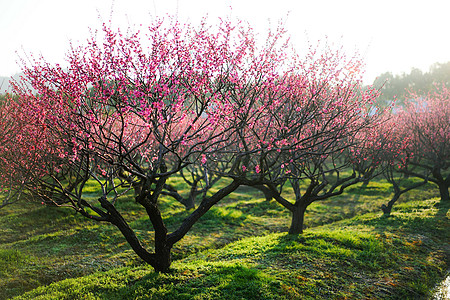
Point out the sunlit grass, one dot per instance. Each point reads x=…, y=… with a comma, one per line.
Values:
x=347, y=243
x=357, y=259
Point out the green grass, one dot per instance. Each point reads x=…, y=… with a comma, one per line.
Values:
x=236, y=251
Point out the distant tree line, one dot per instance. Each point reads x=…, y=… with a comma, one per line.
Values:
x=396, y=86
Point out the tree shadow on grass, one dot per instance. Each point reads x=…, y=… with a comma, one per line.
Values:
x=210, y=281
x=415, y=219
x=38, y=220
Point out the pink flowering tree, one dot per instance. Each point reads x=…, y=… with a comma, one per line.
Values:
x=426, y=120
x=396, y=157
x=9, y=130
x=306, y=132
x=389, y=149
x=26, y=144
x=134, y=109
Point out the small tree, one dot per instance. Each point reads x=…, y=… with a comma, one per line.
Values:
x=9, y=130
x=390, y=149
x=199, y=178
x=399, y=185
x=306, y=133
x=426, y=119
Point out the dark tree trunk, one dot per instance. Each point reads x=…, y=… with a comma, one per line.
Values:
x=137, y=189
x=204, y=206
x=397, y=193
x=149, y=200
x=388, y=208
x=298, y=216
x=443, y=190
x=265, y=190
x=188, y=202
x=443, y=183
x=365, y=183
x=160, y=260
x=162, y=250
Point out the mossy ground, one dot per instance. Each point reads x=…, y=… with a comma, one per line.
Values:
x=238, y=250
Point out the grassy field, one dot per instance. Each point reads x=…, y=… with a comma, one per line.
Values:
x=238, y=250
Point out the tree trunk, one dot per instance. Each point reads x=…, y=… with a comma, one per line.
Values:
x=443, y=183
x=160, y=260
x=189, y=203
x=163, y=259
x=365, y=183
x=266, y=191
x=388, y=208
x=137, y=189
x=298, y=216
x=397, y=193
x=204, y=206
x=443, y=190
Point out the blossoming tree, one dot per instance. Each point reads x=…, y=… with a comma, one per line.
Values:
x=426, y=120
x=9, y=130
x=308, y=132
x=390, y=149
x=133, y=110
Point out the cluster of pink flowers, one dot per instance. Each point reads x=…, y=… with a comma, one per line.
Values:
x=190, y=92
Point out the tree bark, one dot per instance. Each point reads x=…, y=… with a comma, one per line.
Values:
x=397, y=193
x=265, y=190
x=443, y=190
x=189, y=202
x=365, y=183
x=443, y=183
x=388, y=208
x=149, y=200
x=298, y=216
x=160, y=260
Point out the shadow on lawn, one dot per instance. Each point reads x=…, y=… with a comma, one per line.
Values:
x=214, y=281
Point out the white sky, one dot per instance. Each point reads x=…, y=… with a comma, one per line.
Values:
x=392, y=35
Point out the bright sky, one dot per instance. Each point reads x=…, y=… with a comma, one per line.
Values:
x=392, y=35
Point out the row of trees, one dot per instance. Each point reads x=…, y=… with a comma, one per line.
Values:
x=205, y=103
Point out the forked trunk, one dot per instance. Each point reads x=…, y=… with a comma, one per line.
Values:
x=365, y=183
x=163, y=260
x=160, y=260
x=397, y=192
x=388, y=208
